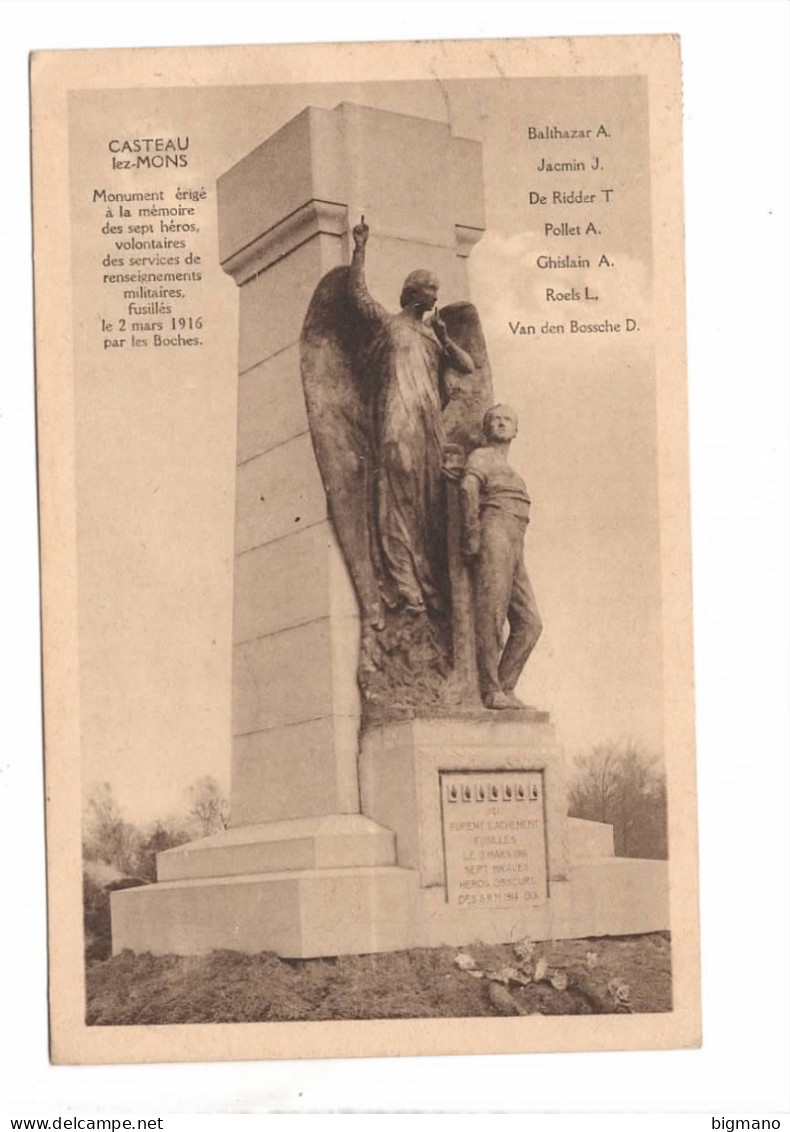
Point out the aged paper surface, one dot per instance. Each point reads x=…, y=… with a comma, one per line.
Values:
x=138, y=402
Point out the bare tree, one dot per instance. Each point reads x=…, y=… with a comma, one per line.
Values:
x=625, y=787
x=208, y=806
x=108, y=837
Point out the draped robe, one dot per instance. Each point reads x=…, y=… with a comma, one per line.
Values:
x=404, y=366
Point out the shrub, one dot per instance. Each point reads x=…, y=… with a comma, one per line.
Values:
x=96, y=915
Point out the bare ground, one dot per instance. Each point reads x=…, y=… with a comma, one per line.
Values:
x=583, y=976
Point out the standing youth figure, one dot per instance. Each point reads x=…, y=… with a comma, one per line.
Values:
x=495, y=508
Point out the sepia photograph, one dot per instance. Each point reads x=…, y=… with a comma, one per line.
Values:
x=365, y=549
x=352, y=483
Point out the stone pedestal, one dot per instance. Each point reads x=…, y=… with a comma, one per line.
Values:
x=402, y=764
x=334, y=850
x=463, y=837
x=477, y=805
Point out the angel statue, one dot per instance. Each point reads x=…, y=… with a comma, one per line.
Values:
x=377, y=388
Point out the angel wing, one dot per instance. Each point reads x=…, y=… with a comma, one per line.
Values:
x=467, y=396
x=339, y=413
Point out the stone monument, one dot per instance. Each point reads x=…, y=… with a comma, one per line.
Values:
x=376, y=803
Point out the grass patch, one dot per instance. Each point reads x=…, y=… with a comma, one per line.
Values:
x=229, y=986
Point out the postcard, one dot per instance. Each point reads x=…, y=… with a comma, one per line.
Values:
x=363, y=457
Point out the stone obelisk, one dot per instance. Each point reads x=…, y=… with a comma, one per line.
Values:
x=285, y=215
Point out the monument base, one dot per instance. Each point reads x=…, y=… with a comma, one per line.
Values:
x=301, y=888
x=478, y=806
x=464, y=838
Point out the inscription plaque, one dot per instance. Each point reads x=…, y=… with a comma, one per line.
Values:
x=494, y=838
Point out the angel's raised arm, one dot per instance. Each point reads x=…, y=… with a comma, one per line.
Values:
x=372, y=312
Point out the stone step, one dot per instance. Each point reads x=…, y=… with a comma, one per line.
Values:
x=589, y=839
x=614, y=896
x=298, y=914
x=330, y=842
